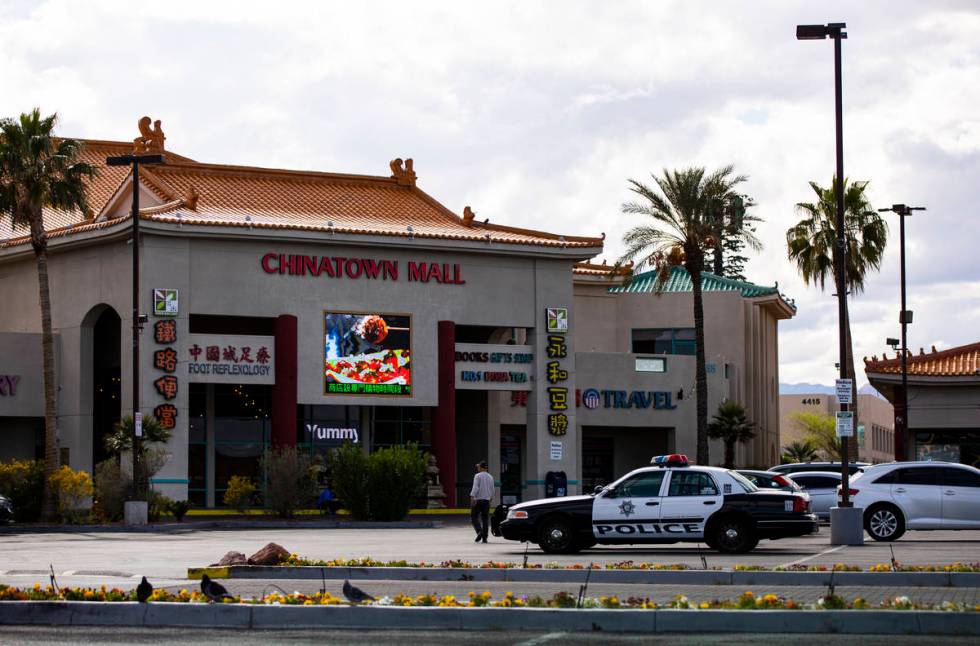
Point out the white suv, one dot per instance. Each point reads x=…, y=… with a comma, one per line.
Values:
x=916, y=495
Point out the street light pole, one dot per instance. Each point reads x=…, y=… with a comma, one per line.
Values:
x=835, y=31
x=904, y=317
x=845, y=520
x=135, y=161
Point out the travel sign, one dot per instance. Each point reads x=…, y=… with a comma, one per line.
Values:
x=641, y=399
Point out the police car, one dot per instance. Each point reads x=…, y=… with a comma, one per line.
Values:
x=669, y=502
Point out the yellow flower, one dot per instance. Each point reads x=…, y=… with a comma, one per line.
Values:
x=703, y=605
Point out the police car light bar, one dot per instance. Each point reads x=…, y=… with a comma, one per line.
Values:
x=675, y=460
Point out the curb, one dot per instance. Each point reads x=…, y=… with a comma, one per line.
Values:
x=653, y=577
x=175, y=528
x=893, y=622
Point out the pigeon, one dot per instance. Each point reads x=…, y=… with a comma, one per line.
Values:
x=355, y=594
x=143, y=591
x=213, y=590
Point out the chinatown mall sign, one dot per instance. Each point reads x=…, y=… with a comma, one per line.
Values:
x=361, y=268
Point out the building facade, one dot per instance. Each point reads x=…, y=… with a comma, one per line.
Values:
x=943, y=403
x=876, y=429
x=310, y=309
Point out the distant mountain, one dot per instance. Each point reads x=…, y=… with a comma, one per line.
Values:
x=808, y=389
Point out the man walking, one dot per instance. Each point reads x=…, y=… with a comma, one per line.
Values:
x=480, y=496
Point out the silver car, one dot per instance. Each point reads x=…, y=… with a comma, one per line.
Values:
x=822, y=488
x=917, y=495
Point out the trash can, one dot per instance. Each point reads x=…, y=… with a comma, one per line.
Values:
x=555, y=484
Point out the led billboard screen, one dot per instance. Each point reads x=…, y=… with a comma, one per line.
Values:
x=367, y=354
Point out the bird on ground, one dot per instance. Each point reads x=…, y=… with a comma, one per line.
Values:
x=143, y=591
x=355, y=594
x=213, y=590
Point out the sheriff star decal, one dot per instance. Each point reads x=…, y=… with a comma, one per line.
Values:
x=627, y=508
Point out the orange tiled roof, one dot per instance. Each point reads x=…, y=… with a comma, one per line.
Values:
x=603, y=270
x=963, y=361
x=221, y=195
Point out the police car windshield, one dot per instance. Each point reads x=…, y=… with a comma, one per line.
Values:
x=742, y=481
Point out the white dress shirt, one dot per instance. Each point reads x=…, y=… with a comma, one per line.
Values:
x=482, y=486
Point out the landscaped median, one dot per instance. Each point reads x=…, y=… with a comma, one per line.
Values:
x=481, y=611
x=626, y=572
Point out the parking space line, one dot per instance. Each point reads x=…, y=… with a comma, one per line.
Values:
x=541, y=640
x=804, y=560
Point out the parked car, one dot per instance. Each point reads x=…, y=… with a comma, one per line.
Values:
x=770, y=480
x=797, y=467
x=672, y=501
x=897, y=496
x=822, y=487
x=6, y=510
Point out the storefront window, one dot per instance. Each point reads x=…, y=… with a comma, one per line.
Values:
x=242, y=432
x=664, y=341
x=396, y=425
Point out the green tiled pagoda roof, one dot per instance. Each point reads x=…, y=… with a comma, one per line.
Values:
x=679, y=281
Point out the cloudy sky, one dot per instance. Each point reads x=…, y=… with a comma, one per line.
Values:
x=536, y=113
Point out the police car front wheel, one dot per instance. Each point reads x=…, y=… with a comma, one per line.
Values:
x=555, y=536
x=733, y=536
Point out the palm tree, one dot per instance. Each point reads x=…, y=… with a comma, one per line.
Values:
x=678, y=228
x=811, y=242
x=731, y=425
x=819, y=429
x=39, y=171
x=799, y=451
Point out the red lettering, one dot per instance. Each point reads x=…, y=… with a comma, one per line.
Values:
x=353, y=268
x=267, y=263
x=435, y=273
x=310, y=266
x=458, y=275
x=370, y=267
x=338, y=263
x=390, y=269
x=418, y=271
x=325, y=267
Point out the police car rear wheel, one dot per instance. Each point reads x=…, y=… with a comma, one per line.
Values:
x=733, y=536
x=555, y=536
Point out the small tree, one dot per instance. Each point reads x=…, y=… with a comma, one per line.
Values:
x=240, y=494
x=151, y=458
x=395, y=476
x=799, y=451
x=72, y=487
x=731, y=425
x=820, y=430
x=348, y=467
x=289, y=482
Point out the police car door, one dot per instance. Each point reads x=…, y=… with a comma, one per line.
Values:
x=691, y=497
x=630, y=509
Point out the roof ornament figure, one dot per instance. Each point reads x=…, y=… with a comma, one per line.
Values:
x=150, y=141
x=468, y=215
x=402, y=172
x=191, y=197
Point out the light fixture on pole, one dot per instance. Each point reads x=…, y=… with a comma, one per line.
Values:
x=905, y=318
x=848, y=529
x=136, y=160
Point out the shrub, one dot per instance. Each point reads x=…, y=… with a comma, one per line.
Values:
x=395, y=476
x=72, y=487
x=178, y=509
x=348, y=478
x=111, y=489
x=240, y=493
x=157, y=505
x=121, y=438
x=289, y=481
x=381, y=486
x=22, y=481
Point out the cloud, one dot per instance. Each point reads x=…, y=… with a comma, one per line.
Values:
x=537, y=113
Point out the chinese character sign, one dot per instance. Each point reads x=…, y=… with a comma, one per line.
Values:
x=557, y=393
x=166, y=360
x=229, y=359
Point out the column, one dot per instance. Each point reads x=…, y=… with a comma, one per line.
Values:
x=444, y=416
x=284, y=392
